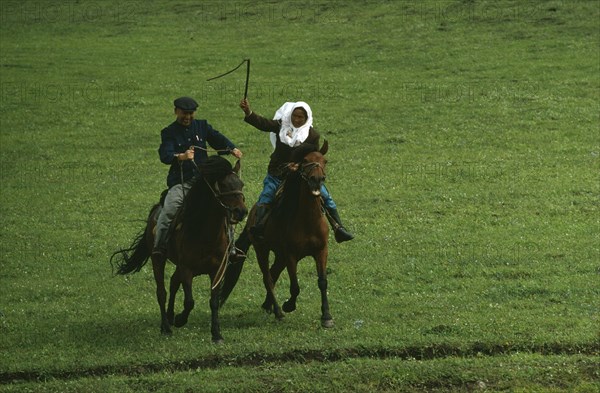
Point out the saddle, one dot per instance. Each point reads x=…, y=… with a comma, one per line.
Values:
x=274, y=208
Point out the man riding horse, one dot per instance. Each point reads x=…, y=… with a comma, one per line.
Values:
x=179, y=142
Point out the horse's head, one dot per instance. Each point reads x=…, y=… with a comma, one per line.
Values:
x=312, y=169
x=226, y=186
x=228, y=191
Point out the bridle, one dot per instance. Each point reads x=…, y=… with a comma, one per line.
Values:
x=216, y=190
x=218, y=194
x=308, y=168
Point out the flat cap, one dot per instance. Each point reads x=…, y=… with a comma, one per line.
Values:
x=186, y=104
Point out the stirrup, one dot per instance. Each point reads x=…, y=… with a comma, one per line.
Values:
x=237, y=255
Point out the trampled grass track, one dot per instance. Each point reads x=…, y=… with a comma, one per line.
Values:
x=299, y=356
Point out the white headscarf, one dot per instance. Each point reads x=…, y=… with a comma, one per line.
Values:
x=289, y=134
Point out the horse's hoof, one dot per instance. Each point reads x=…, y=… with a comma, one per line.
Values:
x=289, y=306
x=327, y=323
x=218, y=340
x=180, y=320
x=166, y=331
x=267, y=307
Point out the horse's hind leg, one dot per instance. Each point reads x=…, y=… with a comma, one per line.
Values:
x=276, y=269
x=158, y=267
x=173, y=288
x=188, y=298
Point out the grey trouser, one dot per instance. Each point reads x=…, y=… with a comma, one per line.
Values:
x=173, y=201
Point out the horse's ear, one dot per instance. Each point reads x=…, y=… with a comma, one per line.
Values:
x=325, y=147
x=237, y=166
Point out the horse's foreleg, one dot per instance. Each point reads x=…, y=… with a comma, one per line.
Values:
x=270, y=303
x=158, y=267
x=188, y=298
x=321, y=260
x=290, y=304
x=215, y=325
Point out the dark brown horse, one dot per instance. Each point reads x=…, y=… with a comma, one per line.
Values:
x=199, y=243
x=296, y=228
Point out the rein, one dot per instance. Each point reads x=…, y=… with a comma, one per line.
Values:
x=218, y=194
x=230, y=228
x=207, y=150
x=215, y=150
x=223, y=265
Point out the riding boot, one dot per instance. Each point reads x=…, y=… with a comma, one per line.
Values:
x=242, y=244
x=258, y=229
x=160, y=240
x=340, y=233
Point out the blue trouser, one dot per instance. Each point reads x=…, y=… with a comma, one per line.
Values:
x=271, y=183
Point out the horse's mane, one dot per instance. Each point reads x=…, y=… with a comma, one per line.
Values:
x=198, y=197
x=301, y=151
x=215, y=168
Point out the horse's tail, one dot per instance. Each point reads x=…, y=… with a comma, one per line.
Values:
x=132, y=259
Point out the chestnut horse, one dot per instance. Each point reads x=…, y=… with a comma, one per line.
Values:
x=199, y=243
x=296, y=228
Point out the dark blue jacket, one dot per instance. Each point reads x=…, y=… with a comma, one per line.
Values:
x=176, y=139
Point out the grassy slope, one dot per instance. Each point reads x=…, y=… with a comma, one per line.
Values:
x=464, y=154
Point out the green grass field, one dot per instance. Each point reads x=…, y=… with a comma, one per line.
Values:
x=464, y=155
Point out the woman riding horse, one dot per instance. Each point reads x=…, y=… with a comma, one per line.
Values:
x=296, y=229
x=291, y=127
